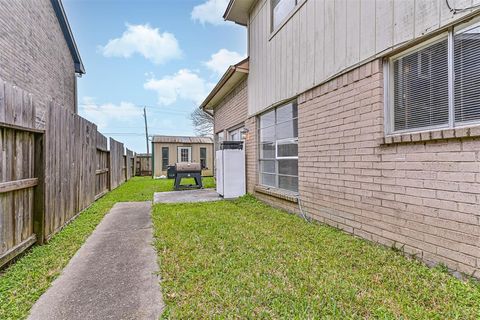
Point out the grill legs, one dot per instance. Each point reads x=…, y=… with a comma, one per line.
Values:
x=198, y=180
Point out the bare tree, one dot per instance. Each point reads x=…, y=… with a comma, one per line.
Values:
x=202, y=122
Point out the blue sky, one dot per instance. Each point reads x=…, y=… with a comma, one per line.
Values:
x=163, y=54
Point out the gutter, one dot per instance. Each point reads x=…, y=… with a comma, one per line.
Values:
x=68, y=35
x=226, y=76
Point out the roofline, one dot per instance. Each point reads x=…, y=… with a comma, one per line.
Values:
x=230, y=6
x=167, y=136
x=227, y=10
x=223, y=80
x=67, y=33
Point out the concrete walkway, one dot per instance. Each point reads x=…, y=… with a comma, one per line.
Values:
x=199, y=195
x=112, y=276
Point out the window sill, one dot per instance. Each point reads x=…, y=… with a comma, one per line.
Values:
x=277, y=193
x=456, y=133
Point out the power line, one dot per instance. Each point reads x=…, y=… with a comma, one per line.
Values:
x=150, y=108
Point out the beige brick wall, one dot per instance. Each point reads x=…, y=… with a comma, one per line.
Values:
x=34, y=54
x=423, y=196
x=232, y=111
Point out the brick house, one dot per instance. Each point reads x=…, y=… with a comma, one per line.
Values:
x=367, y=116
x=228, y=103
x=39, y=53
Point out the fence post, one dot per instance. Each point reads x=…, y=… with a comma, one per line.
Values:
x=39, y=191
x=125, y=160
x=109, y=174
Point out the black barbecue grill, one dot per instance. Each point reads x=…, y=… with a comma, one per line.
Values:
x=188, y=170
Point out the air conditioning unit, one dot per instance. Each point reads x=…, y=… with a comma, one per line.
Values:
x=230, y=172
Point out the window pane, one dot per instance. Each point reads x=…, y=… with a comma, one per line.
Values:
x=203, y=153
x=267, y=179
x=287, y=112
x=267, y=151
x=164, y=158
x=467, y=74
x=267, y=134
x=267, y=166
x=421, y=88
x=287, y=130
x=289, y=167
x=281, y=9
x=288, y=183
x=267, y=119
x=288, y=148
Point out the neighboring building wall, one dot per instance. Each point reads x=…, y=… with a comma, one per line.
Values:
x=172, y=156
x=422, y=196
x=233, y=109
x=34, y=54
x=326, y=37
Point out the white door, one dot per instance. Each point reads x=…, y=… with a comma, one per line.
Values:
x=184, y=154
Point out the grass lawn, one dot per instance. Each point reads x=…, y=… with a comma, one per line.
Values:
x=243, y=259
x=24, y=281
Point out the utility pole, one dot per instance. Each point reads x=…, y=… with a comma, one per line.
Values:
x=146, y=129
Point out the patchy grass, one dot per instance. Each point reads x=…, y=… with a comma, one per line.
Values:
x=243, y=259
x=23, y=282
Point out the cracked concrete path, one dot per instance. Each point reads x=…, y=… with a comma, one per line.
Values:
x=114, y=275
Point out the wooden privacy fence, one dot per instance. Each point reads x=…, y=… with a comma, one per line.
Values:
x=117, y=164
x=53, y=165
x=143, y=165
x=129, y=164
x=102, y=183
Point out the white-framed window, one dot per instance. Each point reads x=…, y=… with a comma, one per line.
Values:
x=436, y=84
x=280, y=11
x=184, y=154
x=235, y=134
x=278, y=147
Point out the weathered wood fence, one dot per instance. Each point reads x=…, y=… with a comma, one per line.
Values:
x=53, y=165
x=143, y=165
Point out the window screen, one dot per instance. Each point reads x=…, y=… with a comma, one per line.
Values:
x=278, y=148
x=467, y=74
x=421, y=88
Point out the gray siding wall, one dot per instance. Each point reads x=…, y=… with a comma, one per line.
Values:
x=327, y=37
x=34, y=54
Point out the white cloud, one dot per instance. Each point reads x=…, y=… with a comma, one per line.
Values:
x=185, y=84
x=210, y=11
x=104, y=115
x=221, y=60
x=145, y=40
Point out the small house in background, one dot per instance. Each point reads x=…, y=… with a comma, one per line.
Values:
x=168, y=150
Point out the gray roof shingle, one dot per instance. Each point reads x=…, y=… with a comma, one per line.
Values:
x=181, y=139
